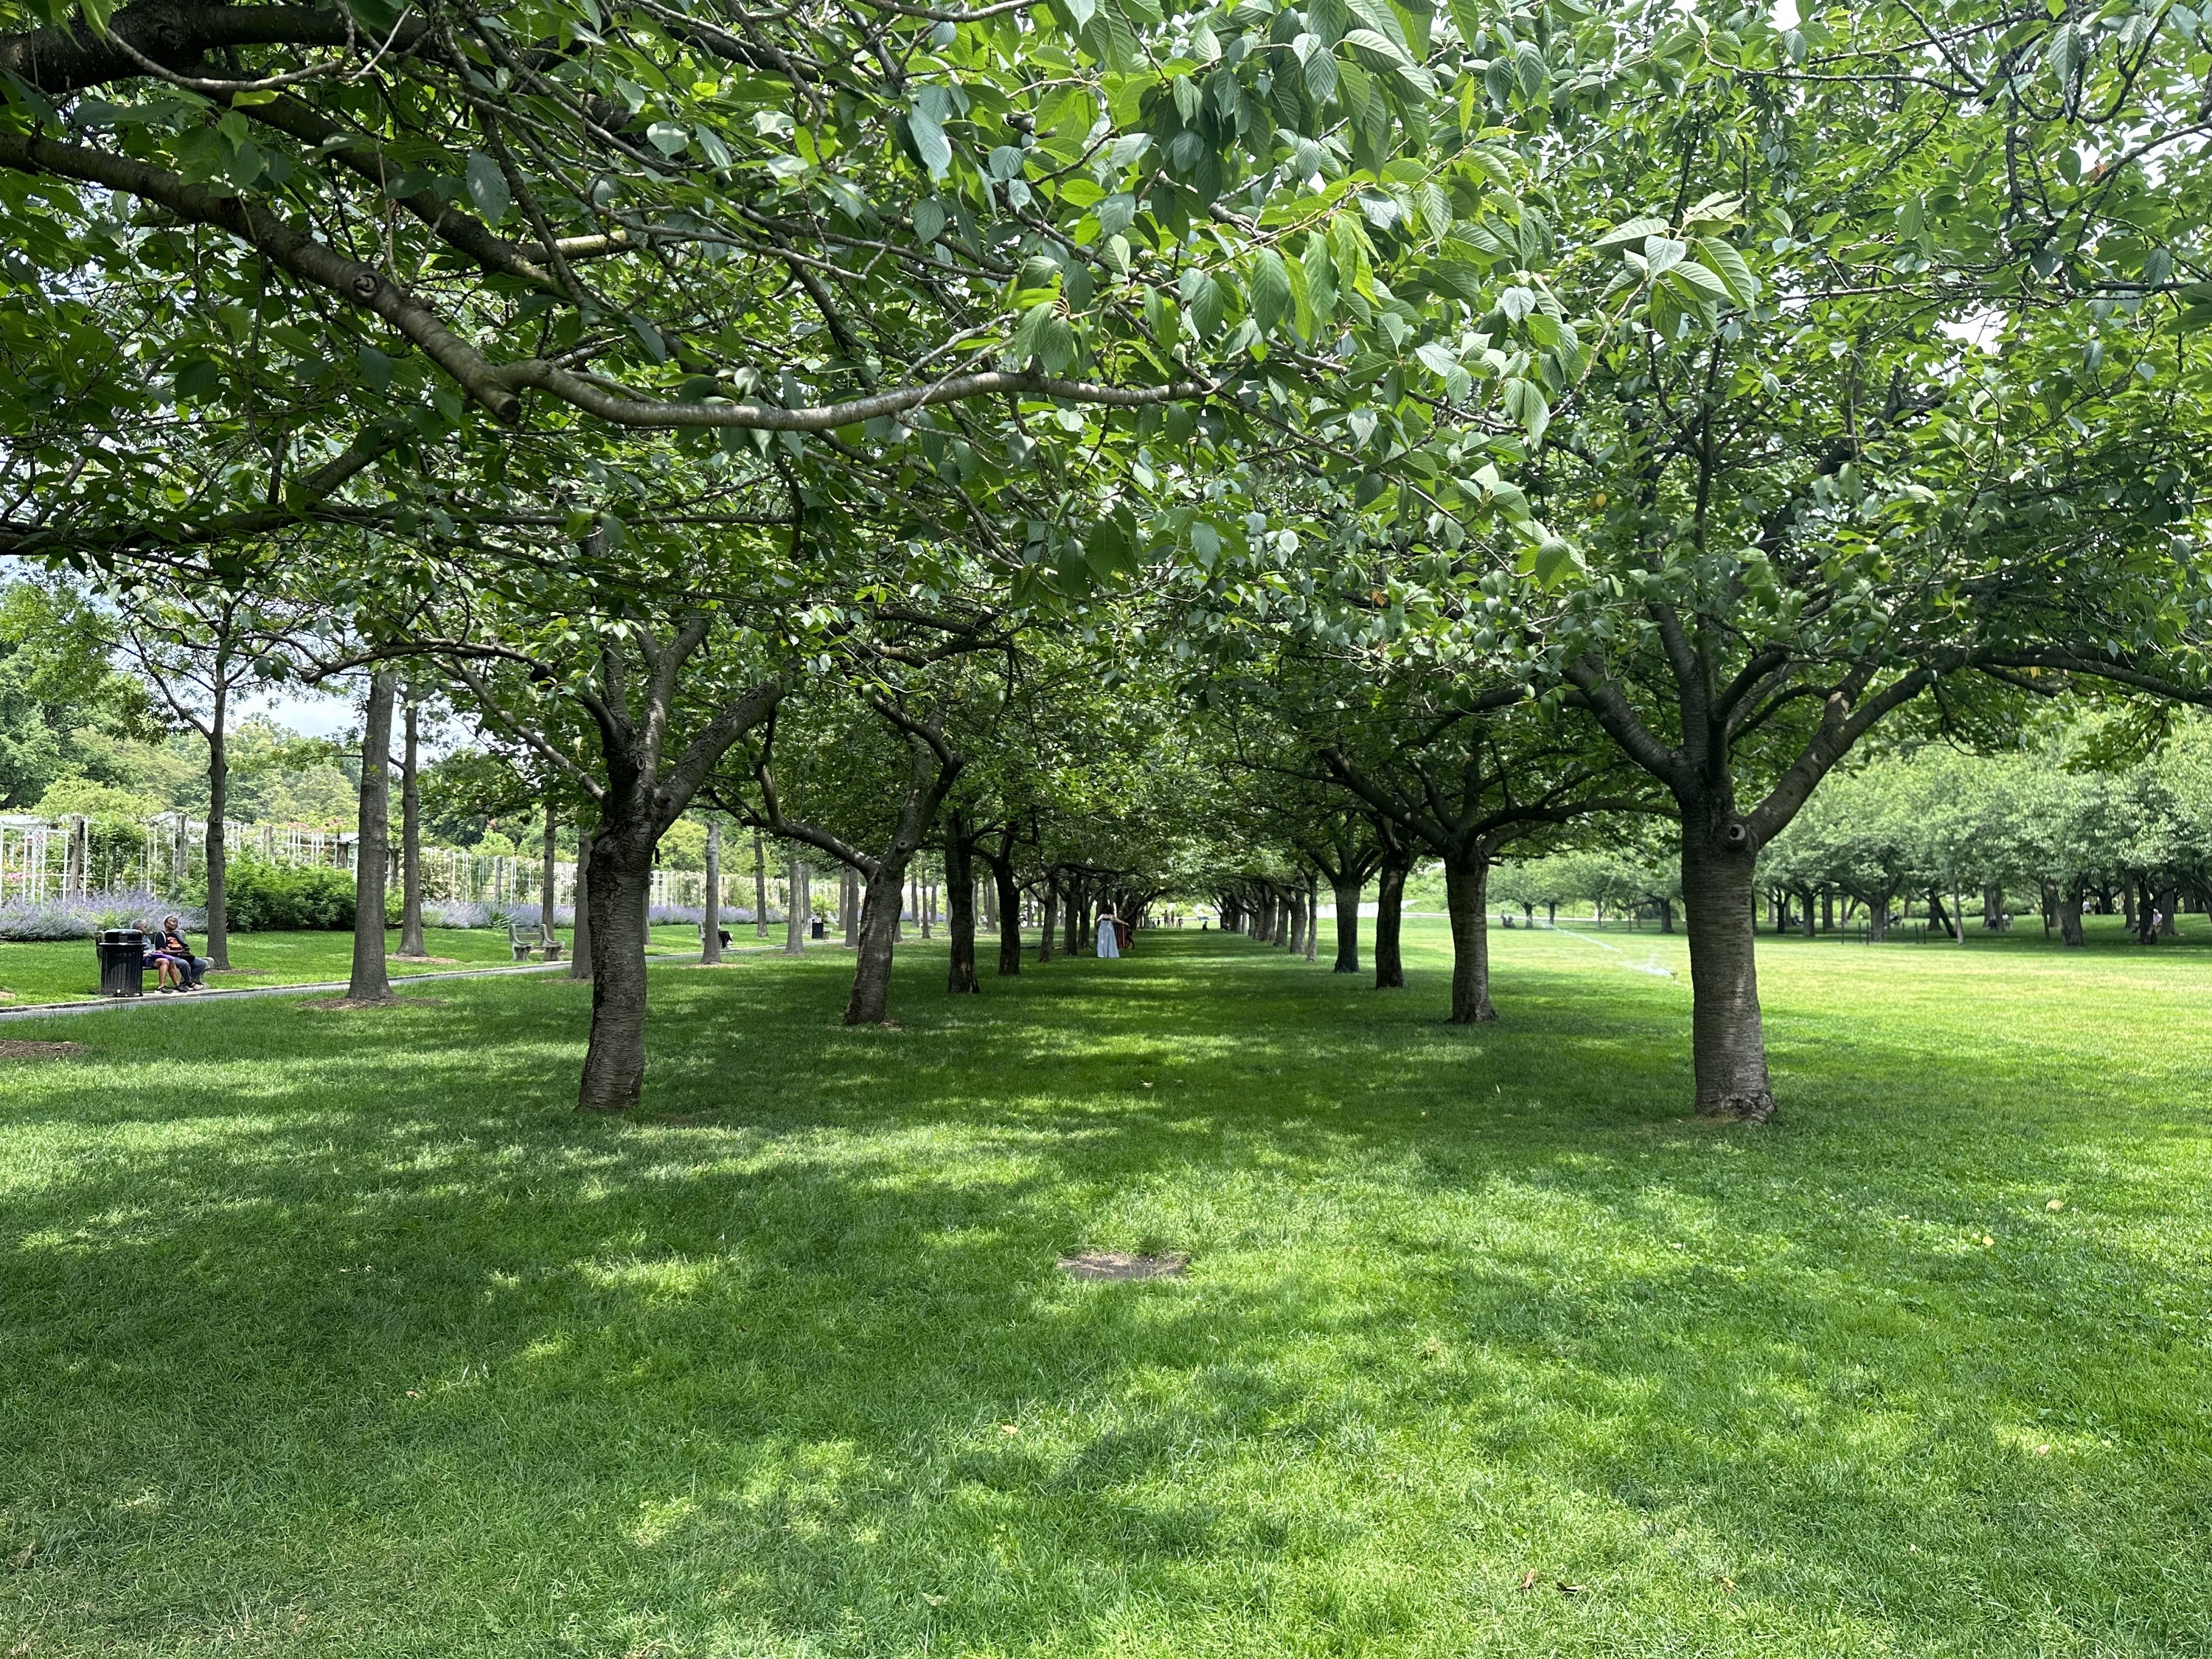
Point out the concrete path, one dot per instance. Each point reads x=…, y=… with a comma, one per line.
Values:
x=323, y=987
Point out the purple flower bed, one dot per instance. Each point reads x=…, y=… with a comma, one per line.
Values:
x=25, y=920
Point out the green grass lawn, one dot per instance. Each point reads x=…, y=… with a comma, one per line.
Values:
x=68, y=970
x=327, y=1332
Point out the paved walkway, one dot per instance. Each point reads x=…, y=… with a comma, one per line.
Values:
x=323, y=987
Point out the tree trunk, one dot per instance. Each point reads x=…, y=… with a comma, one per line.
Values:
x=1729, y=1039
x=2069, y=915
x=2169, y=903
x=1390, y=904
x=760, y=889
x=1465, y=895
x=1805, y=924
x=1297, y=907
x=849, y=906
x=621, y=884
x=960, y=979
x=411, y=838
x=1313, y=917
x=870, y=998
x=1010, y=915
x=1878, y=914
x=1077, y=903
x=1666, y=916
x=710, y=915
x=579, y=945
x=1281, y=903
x=795, y=908
x=1051, y=917
x=1348, y=923
x=218, y=851
x=549, y=878
x=2128, y=904
x=1827, y=909
x=370, y=983
x=1992, y=908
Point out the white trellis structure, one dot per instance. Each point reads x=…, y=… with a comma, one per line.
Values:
x=43, y=858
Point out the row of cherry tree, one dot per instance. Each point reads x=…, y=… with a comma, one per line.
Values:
x=1481, y=420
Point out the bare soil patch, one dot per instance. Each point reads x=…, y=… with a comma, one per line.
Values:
x=15, y=1050
x=348, y=1005
x=1113, y=1264
x=449, y=962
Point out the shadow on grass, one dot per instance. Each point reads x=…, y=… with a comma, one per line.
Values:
x=356, y=1327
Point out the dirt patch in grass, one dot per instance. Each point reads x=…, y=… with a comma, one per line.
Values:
x=348, y=1005
x=422, y=962
x=12, y=1050
x=1113, y=1264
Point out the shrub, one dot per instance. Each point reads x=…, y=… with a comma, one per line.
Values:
x=261, y=898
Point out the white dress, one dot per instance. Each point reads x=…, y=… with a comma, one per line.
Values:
x=1109, y=944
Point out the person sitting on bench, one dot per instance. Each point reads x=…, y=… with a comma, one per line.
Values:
x=170, y=942
x=168, y=972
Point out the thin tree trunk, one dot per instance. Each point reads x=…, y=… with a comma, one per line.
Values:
x=411, y=838
x=849, y=906
x=1347, y=893
x=370, y=983
x=1728, y=1036
x=1077, y=903
x=1313, y=917
x=795, y=908
x=218, y=850
x=1958, y=914
x=621, y=886
x=1390, y=906
x=2169, y=904
x=1051, y=918
x=579, y=946
x=960, y=909
x=1465, y=895
x=1806, y=926
x=549, y=876
x=760, y=888
x=710, y=915
x=1009, y=895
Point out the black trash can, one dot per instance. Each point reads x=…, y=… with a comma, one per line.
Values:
x=122, y=963
x=821, y=930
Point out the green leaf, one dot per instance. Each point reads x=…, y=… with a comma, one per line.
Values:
x=1524, y=404
x=1631, y=230
x=1271, y=290
x=1697, y=282
x=198, y=377
x=375, y=369
x=1528, y=63
x=1663, y=253
x=487, y=187
x=1024, y=345
x=928, y=220
x=929, y=140
x=1381, y=19
x=1437, y=357
x=1729, y=266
